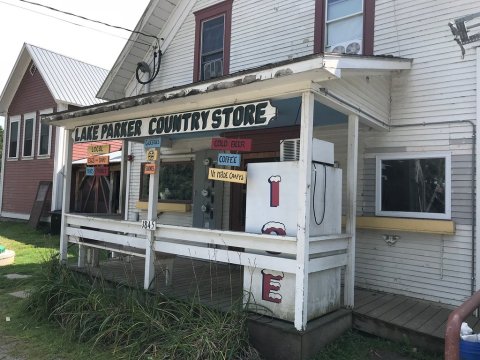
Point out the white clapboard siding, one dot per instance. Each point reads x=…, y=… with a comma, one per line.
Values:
x=431, y=267
x=251, y=45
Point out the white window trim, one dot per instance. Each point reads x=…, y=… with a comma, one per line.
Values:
x=47, y=155
x=13, y=119
x=407, y=156
x=27, y=116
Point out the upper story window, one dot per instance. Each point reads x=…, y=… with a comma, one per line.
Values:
x=212, y=41
x=13, y=137
x=344, y=26
x=417, y=186
x=44, y=136
x=28, y=135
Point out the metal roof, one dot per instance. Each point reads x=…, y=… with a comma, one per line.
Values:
x=69, y=81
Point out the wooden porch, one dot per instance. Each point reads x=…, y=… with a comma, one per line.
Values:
x=396, y=317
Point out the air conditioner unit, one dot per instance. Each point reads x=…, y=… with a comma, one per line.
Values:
x=213, y=69
x=348, y=47
x=322, y=151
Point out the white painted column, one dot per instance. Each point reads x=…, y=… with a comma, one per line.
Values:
x=303, y=217
x=67, y=177
x=152, y=216
x=351, y=218
x=477, y=178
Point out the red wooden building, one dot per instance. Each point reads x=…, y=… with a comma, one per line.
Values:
x=41, y=82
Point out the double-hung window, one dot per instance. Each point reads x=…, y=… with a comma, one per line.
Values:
x=416, y=186
x=344, y=26
x=28, y=135
x=13, y=137
x=212, y=41
x=44, y=136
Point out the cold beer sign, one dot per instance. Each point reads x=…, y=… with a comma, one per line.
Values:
x=240, y=116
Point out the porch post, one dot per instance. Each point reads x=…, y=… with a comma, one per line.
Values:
x=476, y=229
x=67, y=181
x=303, y=217
x=351, y=208
x=151, y=216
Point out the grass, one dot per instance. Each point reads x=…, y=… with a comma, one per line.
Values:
x=137, y=317
x=359, y=346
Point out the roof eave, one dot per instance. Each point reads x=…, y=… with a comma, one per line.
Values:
x=289, y=76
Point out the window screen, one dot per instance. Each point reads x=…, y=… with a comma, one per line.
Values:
x=13, y=141
x=28, y=138
x=44, y=139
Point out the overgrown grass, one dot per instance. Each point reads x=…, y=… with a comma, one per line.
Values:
x=354, y=345
x=134, y=323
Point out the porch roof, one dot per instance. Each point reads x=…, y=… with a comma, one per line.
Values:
x=282, y=79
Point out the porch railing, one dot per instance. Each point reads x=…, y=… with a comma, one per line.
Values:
x=266, y=251
x=454, y=322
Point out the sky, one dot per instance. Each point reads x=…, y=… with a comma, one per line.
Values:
x=98, y=45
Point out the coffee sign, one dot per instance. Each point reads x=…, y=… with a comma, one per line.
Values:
x=241, y=116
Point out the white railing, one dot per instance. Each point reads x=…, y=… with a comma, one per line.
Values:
x=257, y=250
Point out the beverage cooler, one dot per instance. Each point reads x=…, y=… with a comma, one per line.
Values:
x=272, y=208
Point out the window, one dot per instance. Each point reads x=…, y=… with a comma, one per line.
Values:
x=212, y=41
x=28, y=134
x=44, y=136
x=344, y=26
x=13, y=137
x=415, y=186
x=175, y=182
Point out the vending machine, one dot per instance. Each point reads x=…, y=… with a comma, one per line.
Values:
x=272, y=208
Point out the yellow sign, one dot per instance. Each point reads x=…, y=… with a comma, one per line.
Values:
x=235, y=176
x=98, y=160
x=149, y=169
x=152, y=154
x=98, y=149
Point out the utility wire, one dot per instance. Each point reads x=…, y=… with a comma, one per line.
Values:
x=73, y=23
x=91, y=20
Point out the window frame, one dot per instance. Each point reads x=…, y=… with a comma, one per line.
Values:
x=409, y=156
x=164, y=162
x=47, y=155
x=14, y=119
x=28, y=116
x=321, y=23
x=221, y=9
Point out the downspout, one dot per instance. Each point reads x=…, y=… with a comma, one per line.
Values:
x=477, y=165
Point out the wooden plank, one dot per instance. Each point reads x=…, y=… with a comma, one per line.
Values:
x=445, y=227
x=429, y=313
x=435, y=322
x=397, y=311
x=389, y=303
x=410, y=314
x=365, y=297
x=365, y=309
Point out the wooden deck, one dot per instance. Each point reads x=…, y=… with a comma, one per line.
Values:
x=402, y=318
x=395, y=317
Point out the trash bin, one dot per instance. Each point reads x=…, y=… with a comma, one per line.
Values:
x=469, y=350
x=55, y=222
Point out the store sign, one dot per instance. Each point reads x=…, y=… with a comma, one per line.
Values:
x=231, y=144
x=228, y=159
x=98, y=160
x=227, y=175
x=152, y=154
x=102, y=171
x=240, y=116
x=90, y=171
x=149, y=169
x=98, y=149
x=152, y=143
